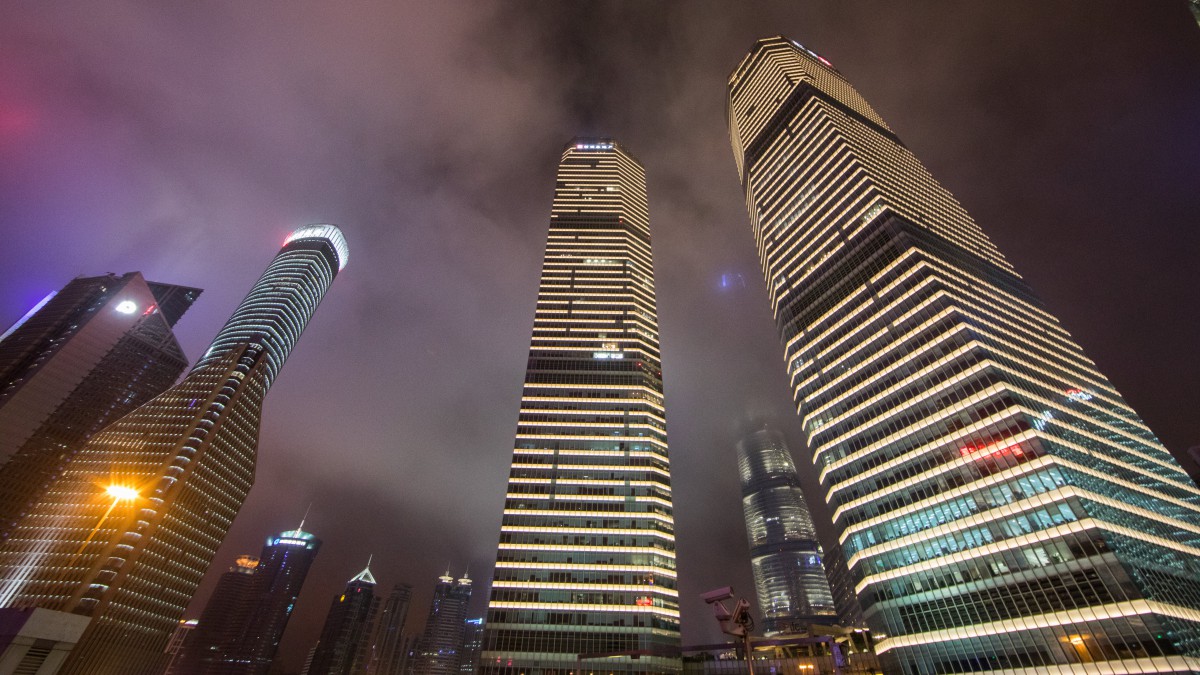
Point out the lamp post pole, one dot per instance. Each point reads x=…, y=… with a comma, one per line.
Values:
x=118, y=493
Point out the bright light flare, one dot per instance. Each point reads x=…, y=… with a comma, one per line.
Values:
x=121, y=492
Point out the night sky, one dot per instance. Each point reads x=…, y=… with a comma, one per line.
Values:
x=185, y=140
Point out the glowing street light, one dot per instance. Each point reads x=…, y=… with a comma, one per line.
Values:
x=119, y=493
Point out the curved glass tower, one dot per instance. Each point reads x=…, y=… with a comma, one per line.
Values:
x=125, y=535
x=789, y=574
x=586, y=562
x=1000, y=505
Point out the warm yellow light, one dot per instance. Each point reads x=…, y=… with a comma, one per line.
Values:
x=120, y=492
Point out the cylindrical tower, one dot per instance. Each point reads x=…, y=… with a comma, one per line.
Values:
x=793, y=591
x=127, y=532
x=279, y=306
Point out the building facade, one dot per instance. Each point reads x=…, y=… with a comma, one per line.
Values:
x=80, y=360
x=1000, y=505
x=212, y=645
x=387, y=637
x=472, y=645
x=787, y=560
x=244, y=619
x=586, y=562
x=128, y=530
x=440, y=650
x=344, y=647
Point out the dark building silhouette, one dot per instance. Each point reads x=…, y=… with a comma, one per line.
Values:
x=212, y=646
x=178, y=644
x=80, y=360
x=344, y=647
x=244, y=620
x=472, y=645
x=789, y=574
x=440, y=650
x=127, y=531
x=387, y=639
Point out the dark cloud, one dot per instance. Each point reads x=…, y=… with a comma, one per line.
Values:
x=187, y=140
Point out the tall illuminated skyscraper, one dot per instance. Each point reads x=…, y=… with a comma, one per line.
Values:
x=80, y=360
x=999, y=504
x=587, y=547
x=789, y=571
x=125, y=535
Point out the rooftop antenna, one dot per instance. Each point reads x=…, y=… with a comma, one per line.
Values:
x=301, y=528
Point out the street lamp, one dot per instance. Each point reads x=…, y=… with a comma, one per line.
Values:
x=119, y=493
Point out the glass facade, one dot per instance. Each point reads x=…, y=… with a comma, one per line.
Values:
x=586, y=562
x=999, y=504
x=440, y=651
x=246, y=615
x=789, y=574
x=128, y=530
x=387, y=640
x=92, y=352
x=344, y=647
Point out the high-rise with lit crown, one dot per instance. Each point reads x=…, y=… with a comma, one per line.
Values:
x=244, y=619
x=586, y=563
x=125, y=535
x=440, y=650
x=1000, y=506
x=787, y=561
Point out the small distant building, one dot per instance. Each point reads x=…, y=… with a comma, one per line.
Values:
x=468, y=661
x=387, y=639
x=344, y=645
x=246, y=615
x=793, y=592
x=439, y=651
x=177, y=645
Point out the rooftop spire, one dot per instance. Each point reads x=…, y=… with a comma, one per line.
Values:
x=365, y=576
x=301, y=528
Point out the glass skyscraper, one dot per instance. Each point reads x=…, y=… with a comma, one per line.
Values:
x=789, y=571
x=344, y=647
x=999, y=504
x=440, y=650
x=80, y=360
x=586, y=563
x=387, y=639
x=127, y=532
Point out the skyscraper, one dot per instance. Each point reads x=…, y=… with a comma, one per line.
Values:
x=212, y=645
x=125, y=535
x=387, y=639
x=344, y=647
x=1000, y=505
x=789, y=574
x=78, y=361
x=472, y=645
x=440, y=650
x=586, y=562
x=244, y=619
